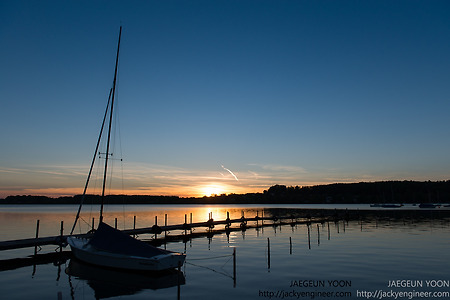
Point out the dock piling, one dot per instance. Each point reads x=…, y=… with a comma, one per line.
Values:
x=318, y=235
x=156, y=226
x=61, y=230
x=309, y=237
x=37, y=236
x=61, y=236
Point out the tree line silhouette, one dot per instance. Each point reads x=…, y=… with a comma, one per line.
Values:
x=362, y=192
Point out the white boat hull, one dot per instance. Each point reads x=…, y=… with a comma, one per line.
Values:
x=83, y=251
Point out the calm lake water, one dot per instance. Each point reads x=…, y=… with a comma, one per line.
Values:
x=399, y=254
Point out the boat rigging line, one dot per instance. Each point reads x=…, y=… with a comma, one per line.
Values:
x=92, y=163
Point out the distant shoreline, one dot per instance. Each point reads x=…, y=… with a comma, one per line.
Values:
x=337, y=193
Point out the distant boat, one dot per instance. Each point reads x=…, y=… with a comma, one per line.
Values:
x=386, y=205
x=109, y=247
x=391, y=205
x=427, y=205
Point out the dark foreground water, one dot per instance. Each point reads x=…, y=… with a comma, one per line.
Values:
x=377, y=256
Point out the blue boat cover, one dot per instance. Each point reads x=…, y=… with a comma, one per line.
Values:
x=112, y=240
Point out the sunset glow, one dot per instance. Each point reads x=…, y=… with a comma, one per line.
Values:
x=213, y=189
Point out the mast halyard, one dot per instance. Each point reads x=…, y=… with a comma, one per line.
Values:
x=92, y=163
x=109, y=129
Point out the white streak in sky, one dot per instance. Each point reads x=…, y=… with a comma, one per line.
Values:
x=230, y=173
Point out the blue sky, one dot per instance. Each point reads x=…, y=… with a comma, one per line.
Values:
x=275, y=92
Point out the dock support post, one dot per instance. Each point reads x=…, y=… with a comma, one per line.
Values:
x=61, y=234
x=115, y=223
x=268, y=254
x=290, y=245
x=35, y=248
x=156, y=224
x=37, y=236
x=93, y=222
x=309, y=237
x=318, y=235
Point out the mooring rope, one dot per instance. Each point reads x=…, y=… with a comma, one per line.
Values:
x=210, y=257
x=211, y=269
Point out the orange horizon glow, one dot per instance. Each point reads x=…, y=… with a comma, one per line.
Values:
x=206, y=190
x=203, y=187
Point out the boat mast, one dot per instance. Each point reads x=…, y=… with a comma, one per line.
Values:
x=109, y=129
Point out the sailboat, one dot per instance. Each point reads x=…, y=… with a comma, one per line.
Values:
x=109, y=247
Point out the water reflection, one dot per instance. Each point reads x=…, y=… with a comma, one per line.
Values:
x=108, y=283
x=355, y=245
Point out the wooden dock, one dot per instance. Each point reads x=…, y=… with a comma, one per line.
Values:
x=161, y=237
x=60, y=240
